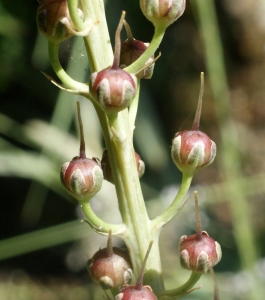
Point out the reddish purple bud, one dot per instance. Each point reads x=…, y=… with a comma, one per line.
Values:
x=82, y=177
x=131, y=293
x=192, y=150
x=138, y=291
x=53, y=20
x=113, y=88
x=110, y=267
x=199, y=253
x=162, y=13
x=131, y=50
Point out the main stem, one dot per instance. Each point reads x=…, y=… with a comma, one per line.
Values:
x=118, y=137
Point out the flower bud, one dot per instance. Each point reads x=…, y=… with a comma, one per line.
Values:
x=162, y=13
x=82, y=177
x=110, y=267
x=199, y=253
x=192, y=150
x=113, y=88
x=106, y=167
x=53, y=20
x=138, y=291
x=131, y=50
x=131, y=293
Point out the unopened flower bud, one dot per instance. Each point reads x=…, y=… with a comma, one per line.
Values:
x=110, y=267
x=199, y=252
x=82, y=176
x=138, y=291
x=162, y=13
x=53, y=20
x=192, y=150
x=131, y=50
x=113, y=87
x=106, y=167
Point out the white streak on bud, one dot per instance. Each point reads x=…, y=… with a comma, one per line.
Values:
x=128, y=92
x=119, y=296
x=106, y=282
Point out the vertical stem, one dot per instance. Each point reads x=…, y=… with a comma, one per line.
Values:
x=121, y=154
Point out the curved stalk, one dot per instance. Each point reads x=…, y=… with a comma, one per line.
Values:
x=100, y=226
x=60, y=72
x=173, y=209
x=182, y=290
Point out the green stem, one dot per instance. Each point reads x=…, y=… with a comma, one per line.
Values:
x=100, y=226
x=60, y=72
x=154, y=44
x=121, y=154
x=73, y=10
x=132, y=206
x=174, y=208
x=134, y=107
x=182, y=290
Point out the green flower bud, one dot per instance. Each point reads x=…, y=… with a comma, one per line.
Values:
x=162, y=13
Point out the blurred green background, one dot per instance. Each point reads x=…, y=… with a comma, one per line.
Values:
x=43, y=245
